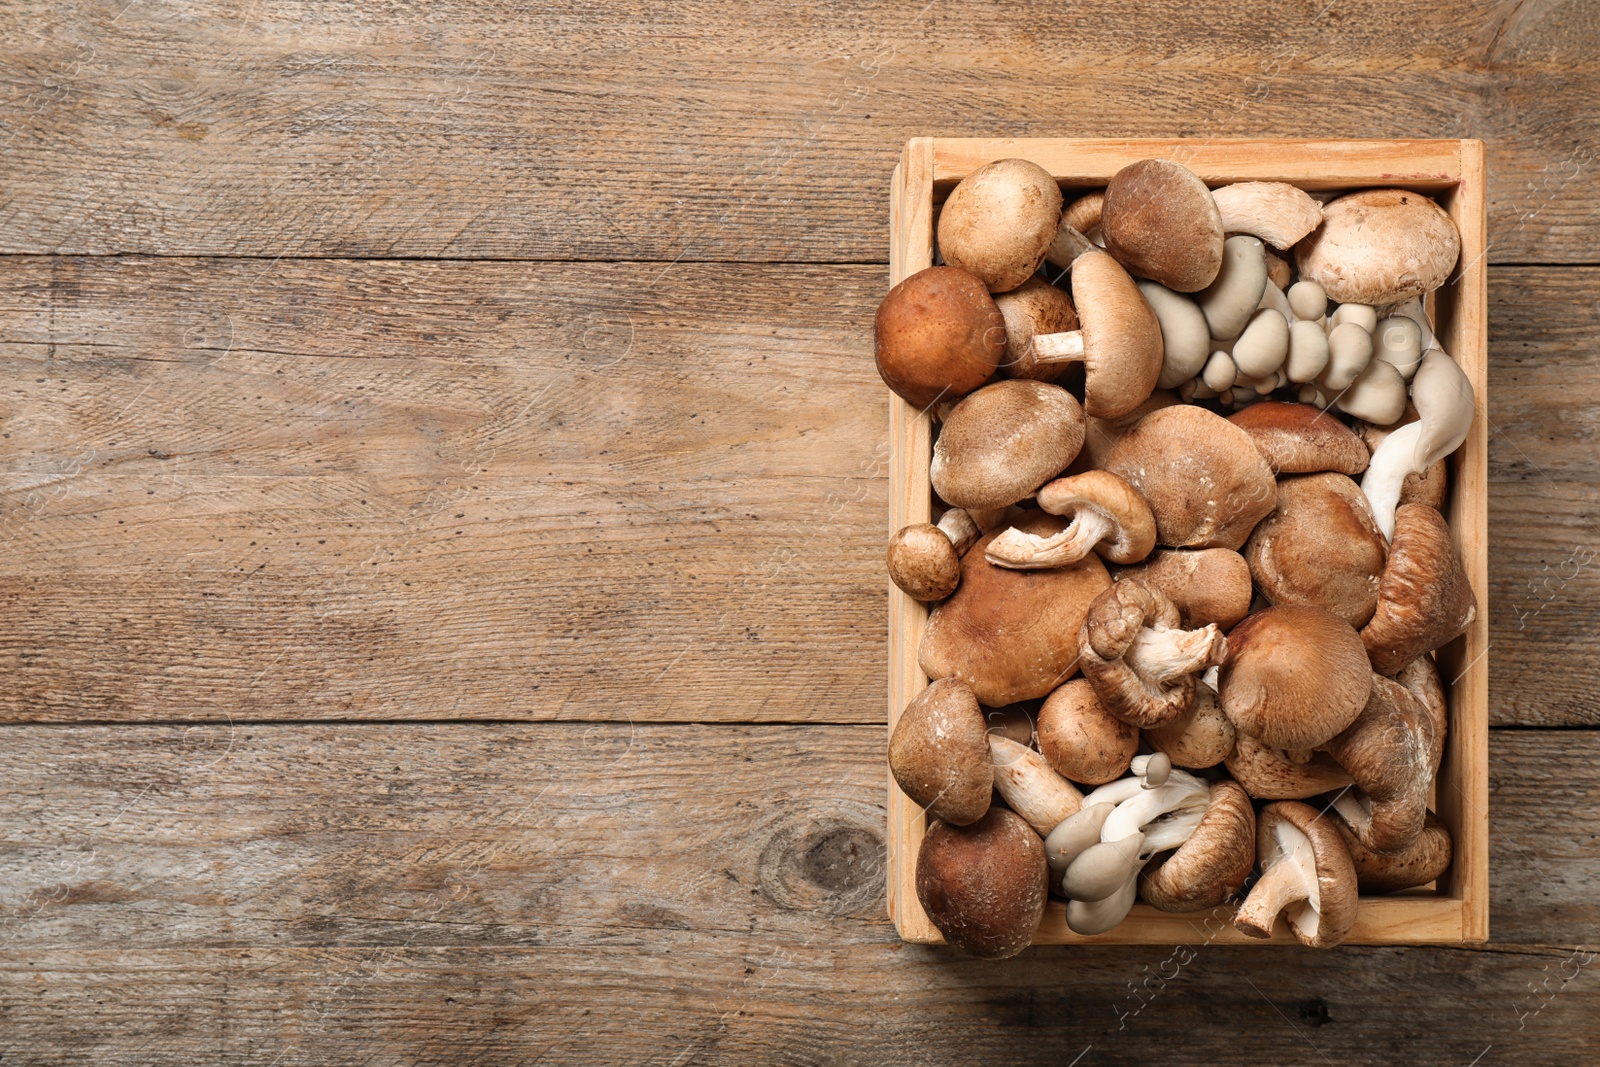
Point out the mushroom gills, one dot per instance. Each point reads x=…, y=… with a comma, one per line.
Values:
x=1164, y=656
x=1027, y=551
x=1287, y=886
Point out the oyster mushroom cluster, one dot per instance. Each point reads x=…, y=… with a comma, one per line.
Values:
x=1190, y=566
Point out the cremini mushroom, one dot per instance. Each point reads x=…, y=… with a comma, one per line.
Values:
x=1301, y=439
x=1108, y=516
x=1119, y=342
x=1004, y=441
x=1445, y=406
x=1277, y=212
x=1426, y=860
x=1306, y=876
x=925, y=560
x=938, y=336
x=939, y=753
x=1198, y=738
x=1268, y=773
x=1185, y=338
x=1030, y=787
x=1319, y=547
x=1380, y=246
x=984, y=886
x=1141, y=662
x=1388, y=752
x=1232, y=297
x=1034, y=307
x=1081, y=739
x=1209, y=585
x=1159, y=220
x=1294, y=676
x=1213, y=864
x=1424, y=598
x=999, y=220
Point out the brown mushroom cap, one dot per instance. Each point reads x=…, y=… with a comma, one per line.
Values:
x=1003, y=442
x=999, y=220
x=1100, y=434
x=1083, y=214
x=1421, y=679
x=1380, y=246
x=923, y=563
x=1209, y=585
x=1160, y=222
x=1201, y=737
x=1294, y=676
x=1425, y=861
x=1388, y=751
x=1012, y=635
x=939, y=753
x=1320, y=547
x=984, y=886
x=1269, y=774
x=1108, y=517
x=1121, y=336
x=1301, y=439
x=1081, y=739
x=1213, y=864
x=1280, y=826
x=1203, y=477
x=1141, y=662
x=1424, y=598
x=1429, y=486
x=1034, y=307
x=938, y=336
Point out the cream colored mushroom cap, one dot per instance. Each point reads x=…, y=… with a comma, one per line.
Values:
x=1380, y=246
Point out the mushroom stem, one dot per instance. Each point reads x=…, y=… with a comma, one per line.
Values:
x=1391, y=461
x=960, y=527
x=1137, y=812
x=1031, y=786
x=1051, y=349
x=1067, y=246
x=1282, y=885
x=1025, y=551
x=1165, y=656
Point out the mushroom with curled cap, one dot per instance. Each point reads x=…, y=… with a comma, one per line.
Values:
x=1301, y=439
x=1203, y=477
x=1294, y=676
x=938, y=335
x=1160, y=221
x=1445, y=406
x=984, y=886
x=1231, y=299
x=1268, y=773
x=925, y=559
x=1209, y=585
x=1032, y=308
x=1108, y=517
x=1081, y=739
x=1277, y=212
x=1118, y=341
x=1426, y=860
x=1012, y=635
x=1388, y=752
x=1319, y=547
x=1306, y=876
x=1198, y=738
x=1004, y=441
x=939, y=753
x=1379, y=247
x=1213, y=864
x=1424, y=597
x=1030, y=786
x=1141, y=662
x=999, y=220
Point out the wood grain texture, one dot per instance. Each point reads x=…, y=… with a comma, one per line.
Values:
x=394, y=893
x=698, y=131
x=233, y=488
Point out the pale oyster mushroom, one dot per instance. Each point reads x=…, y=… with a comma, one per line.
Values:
x=1445, y=407
x=1185, y=338
x=999, y=220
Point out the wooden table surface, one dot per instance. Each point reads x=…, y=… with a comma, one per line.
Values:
x=443, y=511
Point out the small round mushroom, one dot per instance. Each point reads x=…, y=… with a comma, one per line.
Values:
x=1308, y=352
x=1159, y=220
x=1108, y=517
x=984, y=886
x=1294, y=676
x=1397, y=340
x=1380, y=246
x=1349, y=352
x=1445, y=406
x=1141, y=662
x=1269, y=774
x=1230, y=299
x=1119, y=343
x=939, y=753
x=1199, y=738
x=1081, y=739
x=1185, y=338
x=1003, y=442
x=1363, y=315
x=938, y=336
x=1279, y=273
x=1032, y=308
x=999, y=220
x=1308, y=301
x=1264, y=344
x=1213, y=864
x=1306, y=876
x=1388, y=752
x=1277, y=212
x=1424, y=861
x=1030, y=787
x=1301, y=439
x=1319, y=547
x=1424, y=598
x=1209, y=585
x=1220, y=373
x=1204, y=479
x=1377, y=395
x=925, y=560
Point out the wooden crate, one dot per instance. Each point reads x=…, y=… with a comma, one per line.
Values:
x=1457, y=909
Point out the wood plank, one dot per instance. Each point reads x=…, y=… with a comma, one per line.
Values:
x=235, y=489
x=714, y=132
x=432, y=893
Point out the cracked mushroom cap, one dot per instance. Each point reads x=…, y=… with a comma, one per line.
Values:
x=1199, y=738
x=984, y=886
x=939, y=753
x=1203, y=477
x=1108, y=517
x=1209, y=585
x=937, y=336
x=1379, y=247
x=1268, y=773
x=1034, y=307
x=1012, y=635
x=1301, y=439
x=1306, y=876
x=1003, y=442
x=1159, y=220
x=1081, y=739
x=1213, y=864
x=999, y=221
x=1389, y=872
x=1294, y=676
x=1320, y=547
x=1424, y=598
x=1141, y=662
x=1121, y=337
x=1388, y=752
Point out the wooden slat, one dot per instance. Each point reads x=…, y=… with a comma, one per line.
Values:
x=205, y=459
x=714, y=132
x=434, y=893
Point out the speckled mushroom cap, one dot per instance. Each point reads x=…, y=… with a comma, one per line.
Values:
x=1294, y=677
x=1003, y=442
x=1269, y=774
x=1202, y=476
x=1424, y=861
x=1388, y=752
x=1160, y=222
x=937, y=336
x=1424, y=598
x=1380, y=246
x=1320, y=547
x=1301, y=438
x=1121, y=337
x=1213, y=864
x=1201, y=737
x=1081, y=739
x=1012, y=635
x=984, y=886
x=923, y=562
x=1209, y=585
x=1034, y=307
x=1330, y=921
x=999, y=221
x=939, y=753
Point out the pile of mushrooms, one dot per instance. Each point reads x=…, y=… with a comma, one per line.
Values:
x=1178, y=652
